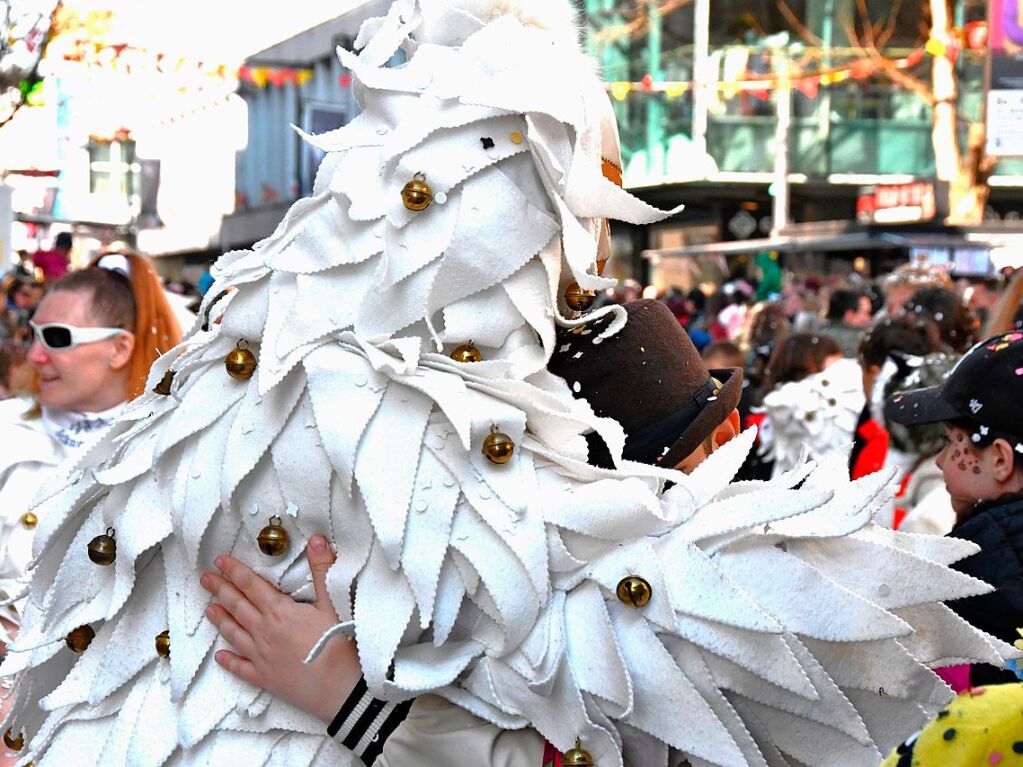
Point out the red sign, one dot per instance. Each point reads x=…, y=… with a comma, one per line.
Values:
x=898, y=203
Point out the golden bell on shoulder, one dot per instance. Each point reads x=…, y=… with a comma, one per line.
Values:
x=577, y=757
x=416, y=194
x=163, y=644
x=240, y=362
x=80, y=638
x=634, y=591
x=466, y=353
x=498, y=446
x=29, y=520
x=164, y=387
x=273, y=539
x=103, y=548
x=577, y=299
x=14, y=743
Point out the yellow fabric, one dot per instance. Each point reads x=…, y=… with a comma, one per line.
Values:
x=979, y=728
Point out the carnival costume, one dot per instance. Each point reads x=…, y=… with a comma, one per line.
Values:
x=479, y=556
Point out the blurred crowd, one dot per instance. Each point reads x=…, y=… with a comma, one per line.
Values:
x=821, y=357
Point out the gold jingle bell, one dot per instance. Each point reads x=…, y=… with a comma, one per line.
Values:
x=14, y=743
x=80, y=638
x=498, y=446
x=163, y=644
x=466, y=353
x=416, y=194
x=634, y=591
x=273, y=539
x=103, y=548
x=579, y=300
x=577, y=757
x=164, y=387
x=240, y=362
x=29, y=520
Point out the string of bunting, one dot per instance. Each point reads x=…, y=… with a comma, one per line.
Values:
x=760, y=86
x=128, y=58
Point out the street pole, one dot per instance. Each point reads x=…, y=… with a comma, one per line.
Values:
x=701, y=65
x=6, y=226
x=655, y=114
x=783, y=105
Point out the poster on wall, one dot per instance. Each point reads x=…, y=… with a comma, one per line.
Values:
x=1005, y=92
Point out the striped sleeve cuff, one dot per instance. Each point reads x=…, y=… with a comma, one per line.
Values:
x=364, y=723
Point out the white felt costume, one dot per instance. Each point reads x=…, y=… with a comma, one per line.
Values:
x=767, y=640
x=818, y=414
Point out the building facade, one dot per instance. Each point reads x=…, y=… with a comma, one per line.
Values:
x=728, y=105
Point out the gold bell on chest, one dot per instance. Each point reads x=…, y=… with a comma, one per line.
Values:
x=80, y=638
x=498, y=446
x=577, y=757
x=29, y=520
x=577, y=299
x=240, y=362
x=103, y=548
x=634, y=591
x=466, y=353
x=273, y=539
x=163, y=644
x=416, y=194
x=164, y=387
x=14, y=743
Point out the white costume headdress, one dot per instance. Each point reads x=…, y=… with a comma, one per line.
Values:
x=776, y=614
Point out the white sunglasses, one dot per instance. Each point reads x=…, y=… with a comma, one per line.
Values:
x=58, y=337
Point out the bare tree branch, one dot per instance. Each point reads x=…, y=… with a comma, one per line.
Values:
x=797, y=25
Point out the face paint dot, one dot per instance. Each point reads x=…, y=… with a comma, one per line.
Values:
x=949, y=734
x=976, y=470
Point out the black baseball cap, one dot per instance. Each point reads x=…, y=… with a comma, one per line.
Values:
x=985, y=387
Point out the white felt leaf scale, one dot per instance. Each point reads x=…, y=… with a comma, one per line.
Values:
x=491, y=585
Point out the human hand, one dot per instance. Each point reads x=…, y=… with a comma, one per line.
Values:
x=272, y=635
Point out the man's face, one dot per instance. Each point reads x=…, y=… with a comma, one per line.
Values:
x=861, y=317
x=968, y=477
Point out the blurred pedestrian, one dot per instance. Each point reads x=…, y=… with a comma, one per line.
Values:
x=849, y=315
x=958, y=326
x=896, y=355
x=56, y=262
x=908, y=278
x=814, y=398
x=96, y=333
x=980, y=406
x=982, y=297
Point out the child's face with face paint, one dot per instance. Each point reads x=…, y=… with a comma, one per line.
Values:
x=969, y=475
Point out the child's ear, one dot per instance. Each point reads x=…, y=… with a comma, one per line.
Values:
x=727, y=429
x=1005, y=460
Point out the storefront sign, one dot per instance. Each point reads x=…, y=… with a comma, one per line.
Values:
x=1005, y=91
x=901, y=203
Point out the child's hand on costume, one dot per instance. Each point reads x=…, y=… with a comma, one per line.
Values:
x=272, y=635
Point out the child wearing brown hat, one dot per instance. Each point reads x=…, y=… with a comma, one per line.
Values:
x=981, y=406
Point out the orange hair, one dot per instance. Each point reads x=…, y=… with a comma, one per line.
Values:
x=156, y=328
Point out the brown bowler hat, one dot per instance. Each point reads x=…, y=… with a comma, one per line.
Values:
x=650, y=378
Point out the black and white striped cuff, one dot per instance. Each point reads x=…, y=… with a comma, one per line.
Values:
x=364, y=723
